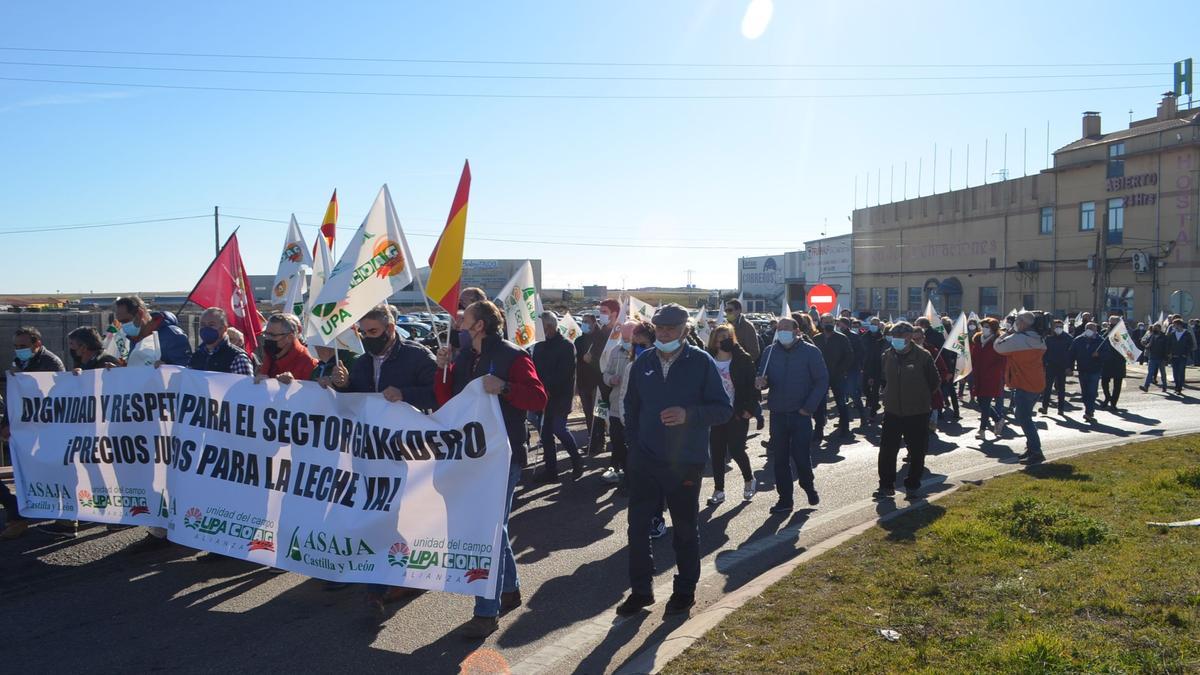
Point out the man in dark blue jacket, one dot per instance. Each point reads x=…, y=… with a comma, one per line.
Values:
x=674, y=395
x=399, y=369
x=1057, y=361
x=1089, y=362
x=795, y=372
x=1183, y=343
x=138, y=322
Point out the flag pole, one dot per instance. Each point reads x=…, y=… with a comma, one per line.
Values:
x=421, y=288
x=206, y=271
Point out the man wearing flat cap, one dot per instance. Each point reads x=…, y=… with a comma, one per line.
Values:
x=673, y=396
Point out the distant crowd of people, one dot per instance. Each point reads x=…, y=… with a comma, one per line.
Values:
x=669, y=404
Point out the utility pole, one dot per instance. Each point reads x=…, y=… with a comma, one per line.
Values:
x=216, y=231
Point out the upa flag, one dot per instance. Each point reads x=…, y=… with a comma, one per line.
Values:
x=375, y=266
x=638, y=309
x=226, y=286
x=569, y=327
x=290, y=279
x=322, y=263
x=959, y=342
x=1120, y=340
x=329, y=224
x=446, y=261
x=786, y=311
x=522, y=308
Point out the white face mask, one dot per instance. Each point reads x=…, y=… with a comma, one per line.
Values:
x=1058, y=331
x=1089, y=332
x=987, y=332
x=602, y=319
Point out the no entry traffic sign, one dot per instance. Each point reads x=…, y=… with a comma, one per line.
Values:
x=823, y=298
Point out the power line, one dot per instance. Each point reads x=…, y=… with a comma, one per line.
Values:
x=642, y=242
x=613, y=64
x=600, y=97
x=92, y=226
x=587, y=78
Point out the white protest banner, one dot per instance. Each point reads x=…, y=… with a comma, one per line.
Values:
x=344, y=487
x=93, y=446
x=522, y=308
x=959, y=342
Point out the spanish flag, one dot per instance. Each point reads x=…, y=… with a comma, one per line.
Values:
x=329, y=224
x=446, y=261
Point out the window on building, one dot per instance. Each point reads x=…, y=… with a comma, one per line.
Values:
x=1087, y=216
x=860, y=299
x=893, y=299
x=1116, y=160
x=1116, y=220
x=1047, y=225
x=989, y=300
x=1029, y=302
x=914, y=299
x=1119, y=300
x=876, y=298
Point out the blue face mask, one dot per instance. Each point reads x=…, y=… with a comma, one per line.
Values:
x=873, y=328
x=785, y=337
x=24, y=354
x=584, y=327
x=638, y=349
x=666, y=347
x=464, y=339
x=897, y=343
x=209, y=335
x=130, y=330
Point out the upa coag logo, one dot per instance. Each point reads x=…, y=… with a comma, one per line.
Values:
x=134, y=504
x=330, y=551
x=292, y=252
x=398, y=554
x=222, y=528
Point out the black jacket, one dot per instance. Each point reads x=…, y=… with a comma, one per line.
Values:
x=838, y=353
x=1058, y=352
x=554, y=359
x=220, y=361
x=742, y=371
x=858, y=349
x=409, y=367
x=874, y=345
x=1184, y=347
x=1157, y=345
x=42, y=362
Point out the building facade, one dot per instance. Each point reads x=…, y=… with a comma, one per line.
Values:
x=762, y=282
x=830, y=261
x=1111, y=227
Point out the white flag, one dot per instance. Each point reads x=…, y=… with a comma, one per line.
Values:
x=931, y=314
x=522, y=308
x=959, y=342
x=785, y=312
x=638, y=309
x=1118, y=337
x=375, y=265
x=569, y=327
x=288, y=287
x=146, y=352
x=321, y=265
x=116, y=343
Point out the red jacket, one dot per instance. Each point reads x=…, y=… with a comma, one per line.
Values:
x=296, y=361
x=988, y=368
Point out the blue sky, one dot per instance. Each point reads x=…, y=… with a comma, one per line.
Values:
x=689, y=184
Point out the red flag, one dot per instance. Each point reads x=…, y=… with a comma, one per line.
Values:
x=226, y=286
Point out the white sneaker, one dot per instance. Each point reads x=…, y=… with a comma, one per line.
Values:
x=717, y=498
x=750, y=491
x=611, y=476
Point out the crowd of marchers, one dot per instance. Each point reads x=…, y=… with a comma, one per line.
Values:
x=668, y=404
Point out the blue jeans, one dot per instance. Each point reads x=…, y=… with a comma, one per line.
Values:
x=1178, y=371
x=1156, y=366
x=506, y=581
x=1025, y=400
x=1089, y=386
x=552, y=427
x=989, y=411
x=652, y=485
x=852, y=388
x=791, y=434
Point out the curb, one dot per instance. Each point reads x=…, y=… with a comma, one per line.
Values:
x=655, y=657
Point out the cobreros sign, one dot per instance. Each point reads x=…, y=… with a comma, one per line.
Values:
x=345, y=487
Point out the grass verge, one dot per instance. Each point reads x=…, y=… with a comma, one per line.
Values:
x=1051, y=570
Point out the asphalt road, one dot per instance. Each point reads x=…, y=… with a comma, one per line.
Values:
x=87, y=604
